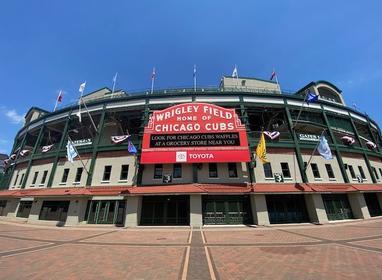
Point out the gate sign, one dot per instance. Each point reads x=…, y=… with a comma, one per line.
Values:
x=194, y=132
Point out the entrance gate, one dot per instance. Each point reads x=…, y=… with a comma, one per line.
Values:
x=286, y=209
x=106, y=212
x=165, y=210
x=221, y=210
x=373, y=204
x=337, y=206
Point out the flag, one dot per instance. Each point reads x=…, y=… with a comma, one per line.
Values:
x=131, y=148
x=59, y=97
x=153, y=74
x=82, y=88
x=311, y=97
x=261, y=150
x=324, y=149
x=194, y=75
x=234, y=73
x=71, y=151
x=273, y=75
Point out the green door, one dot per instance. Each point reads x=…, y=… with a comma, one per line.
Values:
x=221, y=210
x=106, y=212
x=337, y=206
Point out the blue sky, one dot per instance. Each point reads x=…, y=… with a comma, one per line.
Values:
x=49, y=45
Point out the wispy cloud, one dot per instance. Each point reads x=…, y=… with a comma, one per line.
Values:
x=14, y=117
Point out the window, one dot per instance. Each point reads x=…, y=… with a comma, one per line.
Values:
x=65, y=175
x=21, y=179
x=213, y=170
x=243, y=83
x=78, y=175
x=316, y=172
x=375, y=173
x=232, y=170
x=124, y=172
x=35, y=178
x=158, y=171
x=352, y=172
x=268, y=170
x=361, y=172
x=106, y=173
x=177, y=172
x=285, y=169
x=15, y=182
x=380, y=171
x=44, y=177
x=329, y=169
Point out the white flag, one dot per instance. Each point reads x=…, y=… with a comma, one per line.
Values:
x=115, y=77
x=71, y=151
x=234, y=73
x=82, y=87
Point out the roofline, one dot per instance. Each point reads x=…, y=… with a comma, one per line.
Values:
x=319, y=82
x=249, y=78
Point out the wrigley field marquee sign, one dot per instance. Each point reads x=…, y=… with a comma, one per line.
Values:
x=194, y=132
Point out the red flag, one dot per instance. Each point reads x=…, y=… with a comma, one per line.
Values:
x=59, y=97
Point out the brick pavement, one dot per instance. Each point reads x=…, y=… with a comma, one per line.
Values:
x=335, y=251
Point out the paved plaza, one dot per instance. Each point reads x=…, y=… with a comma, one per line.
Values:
x=349, y=250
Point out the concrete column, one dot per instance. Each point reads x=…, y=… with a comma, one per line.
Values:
x=358, y=206
x=259, y=210
x=35, y=210
x=196, y=216
x=133, y=210
x=11, y=208
x=316, y=209
x=76, y=211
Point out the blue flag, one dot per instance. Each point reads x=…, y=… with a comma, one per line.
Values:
x=324, y=149
x=71, y=151
x=311, y=97
x=131, y=148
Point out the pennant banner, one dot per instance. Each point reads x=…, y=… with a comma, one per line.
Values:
x=272, y=134
x=6, y=161
x=23, y=153
x=371, y=145
x=347, y=140
x=119, y=139
x=46, y=148
x=13, y=157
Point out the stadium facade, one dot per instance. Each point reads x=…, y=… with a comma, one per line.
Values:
x=187, y=157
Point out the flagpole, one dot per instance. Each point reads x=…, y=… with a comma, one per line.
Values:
x=194, y=78
x=299, y=113
x=315, y=149
x=277, y=80
x=55, y=106
x=114, y=82
x=152, y=80
x=91, y=119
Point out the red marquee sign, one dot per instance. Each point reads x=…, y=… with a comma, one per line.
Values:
x=194, y=132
